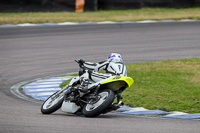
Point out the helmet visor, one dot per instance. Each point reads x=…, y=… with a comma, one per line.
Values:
x=115, y=57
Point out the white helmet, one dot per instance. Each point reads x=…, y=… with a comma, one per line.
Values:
x=115, y=57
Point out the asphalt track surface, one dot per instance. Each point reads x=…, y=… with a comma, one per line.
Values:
x=27, y=53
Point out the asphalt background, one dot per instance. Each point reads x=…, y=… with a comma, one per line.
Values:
x=27, y=53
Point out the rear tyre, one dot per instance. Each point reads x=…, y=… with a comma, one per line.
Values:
x=53, y=103
x=106, y=98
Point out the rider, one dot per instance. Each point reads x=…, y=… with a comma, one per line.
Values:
x=113, y=66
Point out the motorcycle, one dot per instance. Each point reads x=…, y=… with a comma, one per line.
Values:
x=99, y=99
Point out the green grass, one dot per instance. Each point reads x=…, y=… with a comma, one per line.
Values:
x=171, y=85
x=113, y=15
x=64, y=83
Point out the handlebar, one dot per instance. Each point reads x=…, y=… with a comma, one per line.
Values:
x=76, y=61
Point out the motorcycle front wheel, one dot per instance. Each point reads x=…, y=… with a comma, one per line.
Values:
x=106, y=98
x=53, y=103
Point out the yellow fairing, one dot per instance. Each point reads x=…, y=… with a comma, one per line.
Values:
x=128, y=80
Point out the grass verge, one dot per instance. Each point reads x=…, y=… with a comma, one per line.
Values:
x=171, y=85
x=113, y=15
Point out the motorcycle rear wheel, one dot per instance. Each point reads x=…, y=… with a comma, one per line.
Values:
x=106, y=99
x=53, y=103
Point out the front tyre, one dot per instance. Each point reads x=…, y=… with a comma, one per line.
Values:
x=53, y=103
x=106, y=98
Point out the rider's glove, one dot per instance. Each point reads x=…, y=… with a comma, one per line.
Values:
x=81, y=61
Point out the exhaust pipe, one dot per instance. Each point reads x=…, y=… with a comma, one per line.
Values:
x=120, y=103
x=113, y=107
